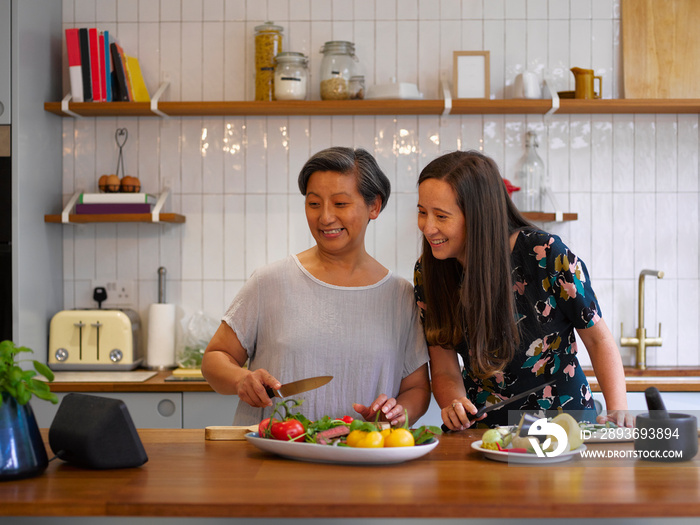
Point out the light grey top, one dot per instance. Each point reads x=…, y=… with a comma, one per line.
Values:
x=295, y=326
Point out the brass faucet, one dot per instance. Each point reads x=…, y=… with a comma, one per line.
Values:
x=642, y=341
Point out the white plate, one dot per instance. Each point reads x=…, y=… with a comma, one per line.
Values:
x=520, y=457
x=347, y=455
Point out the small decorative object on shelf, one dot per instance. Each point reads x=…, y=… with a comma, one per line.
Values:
x=357, y=87
x=113, y=183
x=530, y=178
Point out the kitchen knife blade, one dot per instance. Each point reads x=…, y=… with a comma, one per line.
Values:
x=297, y=387
x=489, y=408
x=522, y=395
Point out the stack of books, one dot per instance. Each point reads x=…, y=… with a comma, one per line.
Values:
x=99, y=69
x=110, y=203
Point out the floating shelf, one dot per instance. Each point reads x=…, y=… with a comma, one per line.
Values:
x=66, y=217
x=538, y=216
x=117, y=217
x=370, y=107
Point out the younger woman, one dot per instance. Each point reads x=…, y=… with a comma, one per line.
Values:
x=506, y=297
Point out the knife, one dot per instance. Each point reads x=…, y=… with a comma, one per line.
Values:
x=483, y=410
x=297, y=387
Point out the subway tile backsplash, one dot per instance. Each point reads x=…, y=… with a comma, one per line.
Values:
x=633, y=179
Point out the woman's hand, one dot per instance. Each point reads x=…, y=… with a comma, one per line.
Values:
x=622, y=418
x=390, y=410
x=456, y=415
x=251, y=389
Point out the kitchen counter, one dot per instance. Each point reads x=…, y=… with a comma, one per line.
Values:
x=187, y=476
x=666, y=379
x=676, y=379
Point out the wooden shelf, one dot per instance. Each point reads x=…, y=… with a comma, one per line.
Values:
x=117, y=217
x=66, y=217
x=538, y=216
x=372, y=107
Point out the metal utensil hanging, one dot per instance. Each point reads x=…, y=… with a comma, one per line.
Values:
x=120, y=137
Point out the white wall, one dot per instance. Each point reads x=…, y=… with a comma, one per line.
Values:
x=633, y=179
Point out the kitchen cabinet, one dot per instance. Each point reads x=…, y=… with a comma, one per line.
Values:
x=159, y=410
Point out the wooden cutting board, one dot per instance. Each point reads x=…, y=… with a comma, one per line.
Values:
x=661, y=48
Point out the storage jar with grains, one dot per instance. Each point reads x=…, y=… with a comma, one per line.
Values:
x=291, y=76
x=268, y=44
x=339, y=63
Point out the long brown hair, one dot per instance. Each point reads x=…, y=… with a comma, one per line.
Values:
x=475, y=300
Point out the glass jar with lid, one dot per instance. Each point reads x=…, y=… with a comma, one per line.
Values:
x=339, y=63
x=291, y=76
x=268, y=44
x=357, y=87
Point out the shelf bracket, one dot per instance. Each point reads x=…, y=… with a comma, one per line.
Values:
x=156, y=98
x=155, y=213
x=555, y=99
x=64, y=107
x=446, y=94
x=558, y=214
x=65, y=214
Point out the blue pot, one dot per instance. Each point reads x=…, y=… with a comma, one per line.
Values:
x=22, y=451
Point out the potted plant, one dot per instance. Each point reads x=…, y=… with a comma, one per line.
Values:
x=22, y=450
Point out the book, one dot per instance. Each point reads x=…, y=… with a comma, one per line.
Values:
x=121, y=90
x=85, y=64
x=117, y=198
x=95, y=64
x=74, y=68
x=108, y=66
x=138, y=85
x=102, y=72
x=107, y=208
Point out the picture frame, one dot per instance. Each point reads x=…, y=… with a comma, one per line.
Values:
x=471, y=74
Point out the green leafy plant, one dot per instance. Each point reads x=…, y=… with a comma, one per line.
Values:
x=19, y=383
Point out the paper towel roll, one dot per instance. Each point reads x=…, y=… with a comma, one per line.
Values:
x=160, y=351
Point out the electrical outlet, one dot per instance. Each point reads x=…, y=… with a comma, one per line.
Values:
x=119, y=293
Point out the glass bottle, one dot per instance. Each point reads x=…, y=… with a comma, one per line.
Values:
x=337, y=66
x=268, y=44
x=530, y=177
x=290, y=76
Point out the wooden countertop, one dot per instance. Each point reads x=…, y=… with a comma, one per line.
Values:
x=188, y=476
x=677, y=379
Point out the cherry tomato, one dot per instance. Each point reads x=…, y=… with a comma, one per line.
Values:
x=354, y=437
x=372, y=439
x=399, y=437
x=287, y=430
x=263, y=427
x=346, y=419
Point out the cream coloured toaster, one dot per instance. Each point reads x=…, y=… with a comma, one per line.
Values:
x=95, y=340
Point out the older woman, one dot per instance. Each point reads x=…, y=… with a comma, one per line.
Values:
x=329, y=310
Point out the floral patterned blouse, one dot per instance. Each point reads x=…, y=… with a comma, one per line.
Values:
x=553, y=295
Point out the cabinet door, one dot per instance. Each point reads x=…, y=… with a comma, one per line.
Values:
x=147, y=410
x=203, y=409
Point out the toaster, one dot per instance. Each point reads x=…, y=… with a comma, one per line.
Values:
x=95, y=340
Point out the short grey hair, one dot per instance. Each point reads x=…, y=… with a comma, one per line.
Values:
x=371, y=181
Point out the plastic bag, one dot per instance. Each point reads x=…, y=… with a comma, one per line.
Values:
x=196, y=330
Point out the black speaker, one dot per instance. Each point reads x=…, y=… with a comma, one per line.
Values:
x=95, y=432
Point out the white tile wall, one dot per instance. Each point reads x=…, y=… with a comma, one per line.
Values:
x=633, y=179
